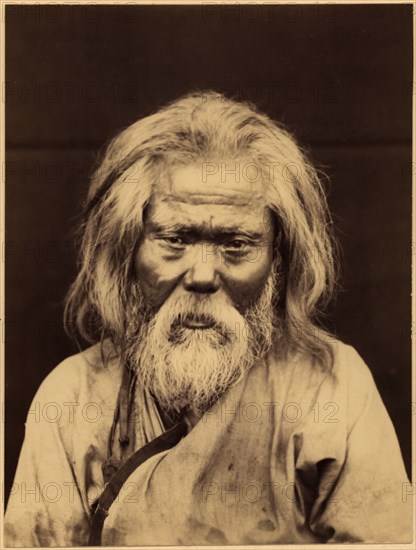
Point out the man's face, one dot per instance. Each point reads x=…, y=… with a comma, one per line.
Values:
x=205, y=237
x=204, y=268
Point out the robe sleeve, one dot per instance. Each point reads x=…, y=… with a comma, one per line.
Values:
x=367, y=498
x=45, y=507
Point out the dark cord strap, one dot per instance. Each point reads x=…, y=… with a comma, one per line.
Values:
x=122, y=418
x=162, y=443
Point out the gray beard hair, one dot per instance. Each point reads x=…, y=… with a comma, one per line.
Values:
x=194, y=367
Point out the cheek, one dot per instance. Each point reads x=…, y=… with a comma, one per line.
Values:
x=246, y=282
x=155, y=278
x=148, y=273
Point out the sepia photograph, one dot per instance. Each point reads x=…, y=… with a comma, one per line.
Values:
x=207, y=258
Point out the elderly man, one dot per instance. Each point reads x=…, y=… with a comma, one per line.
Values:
x=209, y=408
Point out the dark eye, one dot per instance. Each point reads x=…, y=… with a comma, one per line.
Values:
x=236, y=245
x=175, y=242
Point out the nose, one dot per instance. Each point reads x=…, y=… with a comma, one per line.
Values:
x=202, y=275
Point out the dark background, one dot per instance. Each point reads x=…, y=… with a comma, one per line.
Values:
x=338, y=76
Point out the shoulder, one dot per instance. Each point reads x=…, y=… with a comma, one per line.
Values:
x=71, y=376
x=347, y=359
x=348, y=381
x=352, y=375
x=347, y=364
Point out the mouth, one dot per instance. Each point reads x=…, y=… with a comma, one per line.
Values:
x=198, y=324
x=201, y=325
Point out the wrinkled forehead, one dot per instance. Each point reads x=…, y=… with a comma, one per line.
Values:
x=223, y=195
x=232, y=182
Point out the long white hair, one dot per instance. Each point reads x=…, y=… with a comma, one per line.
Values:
x=198, y=128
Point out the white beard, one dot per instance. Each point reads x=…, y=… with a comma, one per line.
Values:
x=194, y=367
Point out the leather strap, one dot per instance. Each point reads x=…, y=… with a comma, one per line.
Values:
x=162, y=443
x=122, y=418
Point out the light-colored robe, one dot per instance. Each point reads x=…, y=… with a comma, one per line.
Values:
x=291, y=454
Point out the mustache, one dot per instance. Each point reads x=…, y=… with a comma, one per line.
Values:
x=211, y=313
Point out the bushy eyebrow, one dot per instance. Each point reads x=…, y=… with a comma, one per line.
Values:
x=199, y=230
